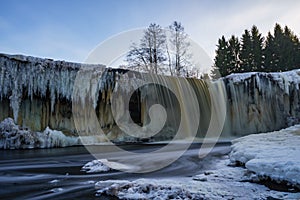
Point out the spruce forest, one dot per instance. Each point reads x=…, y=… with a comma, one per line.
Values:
x=276, y=52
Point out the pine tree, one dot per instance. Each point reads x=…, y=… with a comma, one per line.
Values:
x=246, y=52
x=273, y=50
x=252, y=51
x=282, y=50
x=269, y=54
x=221, y=60
x=290, y=49
x=233, y=55
x=257, y=49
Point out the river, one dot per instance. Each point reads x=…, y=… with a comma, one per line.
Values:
x=56, y=173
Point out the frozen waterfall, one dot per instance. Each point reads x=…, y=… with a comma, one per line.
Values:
x=39, y=93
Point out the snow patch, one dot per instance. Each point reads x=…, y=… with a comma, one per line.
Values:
x=14, y=137
x=226, y=182
x=275, y=155
x=95, y=166
x=283, y=79
x=145, y=189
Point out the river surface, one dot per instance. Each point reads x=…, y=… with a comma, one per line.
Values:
x=56, y=173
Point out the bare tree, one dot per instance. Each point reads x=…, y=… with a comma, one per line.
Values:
x=179, y=46
x=149, y=55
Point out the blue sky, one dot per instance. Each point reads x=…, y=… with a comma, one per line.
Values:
x=70, y=29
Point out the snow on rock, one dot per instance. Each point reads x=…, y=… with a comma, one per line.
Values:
x=275, y=155
x=283, y=78
x=14, y=137
x=145, y=189
x=95, y=166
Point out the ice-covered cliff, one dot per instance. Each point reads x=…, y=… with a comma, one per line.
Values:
x=262, y=102
x=39, y=93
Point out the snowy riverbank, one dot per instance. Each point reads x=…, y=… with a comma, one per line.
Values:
x=273, y=157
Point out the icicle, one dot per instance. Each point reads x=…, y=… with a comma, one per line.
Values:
x=15, y=100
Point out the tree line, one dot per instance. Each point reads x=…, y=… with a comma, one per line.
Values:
x=276, y=52
x=162, y=51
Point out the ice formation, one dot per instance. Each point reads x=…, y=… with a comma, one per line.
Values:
x=14, y=137
x=28, y=76
x=39, y=93
x=262, y=102
x=274, y=155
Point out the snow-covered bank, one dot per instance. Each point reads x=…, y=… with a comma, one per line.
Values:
x=274, y=155
x=14, y=137
x=226, y=182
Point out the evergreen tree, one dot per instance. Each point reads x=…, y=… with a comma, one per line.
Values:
x=221, y=60
x=281, y=50
x=290, y=49
x=269, y=53
x=252, y=51
x=233, y=55
x=257, y=50
x=246, y=52
x=273, y=50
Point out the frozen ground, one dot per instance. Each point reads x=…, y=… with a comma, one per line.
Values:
x=227, y=182
x=274, y=155
x=271, y=156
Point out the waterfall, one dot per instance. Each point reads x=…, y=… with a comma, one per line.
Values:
x=81, y=99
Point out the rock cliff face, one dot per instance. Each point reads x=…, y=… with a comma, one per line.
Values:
x=80, y=98
x=262, y=102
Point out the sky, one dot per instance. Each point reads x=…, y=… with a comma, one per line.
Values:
x=70, y=29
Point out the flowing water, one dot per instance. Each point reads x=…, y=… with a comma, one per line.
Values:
x=56, y=173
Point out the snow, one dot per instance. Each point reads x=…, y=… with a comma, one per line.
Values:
x=283, y=79
x=226, y=182
x=145, y=189
x=95, y=166
x=14, y=137
x=275, y=155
